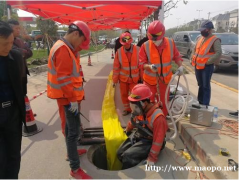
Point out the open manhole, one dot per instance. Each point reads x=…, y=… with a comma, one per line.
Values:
x=97, y=156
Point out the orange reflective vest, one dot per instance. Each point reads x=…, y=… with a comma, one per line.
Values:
x=71, y=82
x=202, y=54
x=128, y=68
x=163, y=62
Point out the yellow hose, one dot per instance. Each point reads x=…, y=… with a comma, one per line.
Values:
x=113, y=132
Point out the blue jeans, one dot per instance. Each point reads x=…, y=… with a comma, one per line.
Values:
x=72, y=132
x=203, y=78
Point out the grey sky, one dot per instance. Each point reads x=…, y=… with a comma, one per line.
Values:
x=189, y=12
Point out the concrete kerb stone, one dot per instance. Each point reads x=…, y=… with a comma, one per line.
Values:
x=43, y=68
x=213, y=81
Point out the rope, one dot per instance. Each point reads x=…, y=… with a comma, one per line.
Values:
x=230, y=124
x=34, y=97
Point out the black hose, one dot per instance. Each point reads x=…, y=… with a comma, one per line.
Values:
x=95, y=134
x=90, y=141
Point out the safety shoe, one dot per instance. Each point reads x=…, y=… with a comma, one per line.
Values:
x=80, y=152
x=233, y=114
x=80, y=174
x=125, y=113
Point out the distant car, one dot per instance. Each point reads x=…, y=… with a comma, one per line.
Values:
x=229, y=58
x=112, y=43
x=184, y=40
x=61, y=33
x=36, y=35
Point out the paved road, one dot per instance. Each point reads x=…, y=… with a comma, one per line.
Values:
x=226, y=77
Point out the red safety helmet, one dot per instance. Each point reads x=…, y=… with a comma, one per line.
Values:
x=126, y=38
x=156, y=31
x=80, y=25
x=139, y=93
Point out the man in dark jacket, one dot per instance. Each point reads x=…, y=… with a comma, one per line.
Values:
x=22, y=47
x=12, y=105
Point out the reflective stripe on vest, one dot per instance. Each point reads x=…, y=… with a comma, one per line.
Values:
x=164, y=66
x=155, y=114
x=125, y=71
x=202, y=53
x=55, y=84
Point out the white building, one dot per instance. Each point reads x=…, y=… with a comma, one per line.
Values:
x=233, y=21
x=221, y=21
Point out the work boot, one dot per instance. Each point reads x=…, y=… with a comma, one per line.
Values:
x=80, y=152
x=233, y=114
x=125, y=113
x=79, y=174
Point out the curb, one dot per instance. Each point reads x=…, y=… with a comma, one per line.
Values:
x=43, y=67
x=213, y=81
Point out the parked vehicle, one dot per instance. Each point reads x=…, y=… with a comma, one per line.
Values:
x=112, y=43
x=36, y=35
x=184, y=41
x=60, y=33
x=229, y=58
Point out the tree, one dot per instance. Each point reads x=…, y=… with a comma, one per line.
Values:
x=47, y=27
x=220, y=30
x=49, y=31
x=170, y=4
x=3, y=8
x=3, y=12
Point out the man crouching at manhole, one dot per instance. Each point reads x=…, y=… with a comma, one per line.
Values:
x=151, y=127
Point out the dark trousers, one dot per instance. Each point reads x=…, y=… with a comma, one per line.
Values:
x=10, y=142
x=72, y=132
x=131, y=154
x=203, y=78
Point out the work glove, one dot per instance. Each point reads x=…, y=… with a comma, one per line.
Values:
x=153, y=68
x=127, y=132
x=180, y=70
x=114, y=84
x=74, y=107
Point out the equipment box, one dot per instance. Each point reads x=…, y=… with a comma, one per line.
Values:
x=201, y=115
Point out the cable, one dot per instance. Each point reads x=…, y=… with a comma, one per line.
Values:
x=179, y=114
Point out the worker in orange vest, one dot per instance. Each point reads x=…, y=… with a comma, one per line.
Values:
x=149, y=138
x=156, y=56
x=207, y=51
x=66, y=85
x=126, y=69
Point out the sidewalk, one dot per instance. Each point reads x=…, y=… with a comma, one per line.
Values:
x=43, y=155
x=205, y=142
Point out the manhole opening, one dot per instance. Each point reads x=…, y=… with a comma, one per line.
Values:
x=99, y=157
x=97, y=154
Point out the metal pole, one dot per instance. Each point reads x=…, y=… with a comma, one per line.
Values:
x=199, y=10
x=161, y=12
x=177, y=23
x=8, y=11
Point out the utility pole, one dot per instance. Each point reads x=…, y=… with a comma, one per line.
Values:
x=177, y=23
x=209, y=15
x=199, y=17
x=199, y=13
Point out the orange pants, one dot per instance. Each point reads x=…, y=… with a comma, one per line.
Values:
x=125, y=89
x=162, y=91
x=63, y=117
